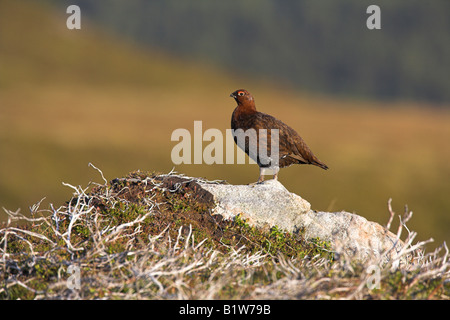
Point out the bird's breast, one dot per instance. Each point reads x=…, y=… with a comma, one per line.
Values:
x=242, y=119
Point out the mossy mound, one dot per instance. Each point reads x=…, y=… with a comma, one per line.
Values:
x=178, y=202
x=152, y=236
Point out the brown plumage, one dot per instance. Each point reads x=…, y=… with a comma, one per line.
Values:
x=292, y=148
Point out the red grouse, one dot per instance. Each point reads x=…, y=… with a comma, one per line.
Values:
x=257, y=137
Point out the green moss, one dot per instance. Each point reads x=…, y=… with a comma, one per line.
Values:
x=409, y=286
x=275, y=241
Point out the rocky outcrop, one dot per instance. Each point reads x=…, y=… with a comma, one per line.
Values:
x=271, y=204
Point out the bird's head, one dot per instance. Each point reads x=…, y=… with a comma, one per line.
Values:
x=243, y=97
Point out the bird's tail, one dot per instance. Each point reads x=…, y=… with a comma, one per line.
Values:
x=320, y=164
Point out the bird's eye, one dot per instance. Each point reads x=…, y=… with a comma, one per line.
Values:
x=240, y=93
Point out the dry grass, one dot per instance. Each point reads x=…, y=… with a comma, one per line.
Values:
x=119, y=258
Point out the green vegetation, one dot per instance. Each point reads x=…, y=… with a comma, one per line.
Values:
x=152, y=236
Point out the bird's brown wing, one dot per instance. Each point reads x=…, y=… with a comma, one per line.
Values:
x=292, y=148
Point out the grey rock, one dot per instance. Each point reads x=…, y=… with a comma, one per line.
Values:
x=271, y=204
x=264, y=205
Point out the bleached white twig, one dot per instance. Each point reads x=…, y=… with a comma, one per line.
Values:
x=100, y=171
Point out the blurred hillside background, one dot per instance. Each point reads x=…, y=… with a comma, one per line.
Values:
x=374, y=105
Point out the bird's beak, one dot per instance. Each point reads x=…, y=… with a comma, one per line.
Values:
x=232, y=95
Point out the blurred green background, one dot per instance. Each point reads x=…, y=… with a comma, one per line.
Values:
x=374, y=105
